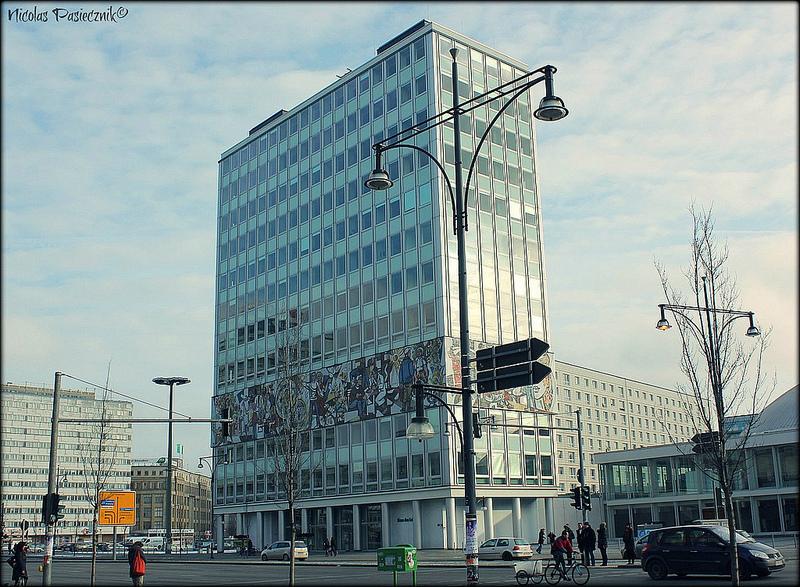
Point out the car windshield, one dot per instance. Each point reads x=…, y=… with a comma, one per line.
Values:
x=299, y=544
x=520, y=541
x=741, y=537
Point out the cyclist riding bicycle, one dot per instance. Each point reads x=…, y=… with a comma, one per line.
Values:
x=560, y=547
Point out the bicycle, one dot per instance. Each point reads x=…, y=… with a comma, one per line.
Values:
x=576, y=572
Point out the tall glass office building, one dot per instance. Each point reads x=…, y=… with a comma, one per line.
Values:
x=367, y=283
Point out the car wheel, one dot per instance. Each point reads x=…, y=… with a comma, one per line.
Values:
x=657, y=570
x=507, y=556
x=263, y=557
x=286, y=557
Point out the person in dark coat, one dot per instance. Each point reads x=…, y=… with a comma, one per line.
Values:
x=20, y=573
x=136, y=551
x=581, y=542
x=334, y=552
x=589, y=543
x=627, y=538
x=602, y=542
x=327, y=546
x=540, y=542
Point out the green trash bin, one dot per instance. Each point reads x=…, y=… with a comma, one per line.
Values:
x=398, y=559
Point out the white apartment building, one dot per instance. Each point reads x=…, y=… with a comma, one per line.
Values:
x=27, y=411
x=617, y=413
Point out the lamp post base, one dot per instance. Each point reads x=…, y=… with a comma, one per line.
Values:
x=471, y=548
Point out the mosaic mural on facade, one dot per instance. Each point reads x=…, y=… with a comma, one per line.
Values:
x=364, y=388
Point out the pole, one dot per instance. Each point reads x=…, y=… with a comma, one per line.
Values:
x=47, y=563
x=114, y=545
x=213, y=535
x=580, y=456
x=168, y=508
x=471, y=522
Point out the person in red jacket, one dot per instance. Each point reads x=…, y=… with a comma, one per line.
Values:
x=560, y=547
x=136, y=563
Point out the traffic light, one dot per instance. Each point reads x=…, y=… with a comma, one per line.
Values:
x=226, y=426
x=52, y=508
x=476, y=425
x=576, y=498
x=586, y=498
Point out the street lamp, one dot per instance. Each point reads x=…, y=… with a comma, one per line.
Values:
x=172, y=382
x=714, y=334
x=551, y=108
x=209, y=462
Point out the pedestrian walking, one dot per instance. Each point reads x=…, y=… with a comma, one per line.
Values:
x=629, y=552
x=602, y=542
x=334, y=552
x=20, y=572
x=541, y=541
x=326, y=546
x=589, y=543
x=137, y=563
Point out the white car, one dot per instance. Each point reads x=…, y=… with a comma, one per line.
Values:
x=280, y=551
x=505, y=548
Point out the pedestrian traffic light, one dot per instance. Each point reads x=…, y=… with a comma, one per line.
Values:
x=586, y=501
x=576, y=498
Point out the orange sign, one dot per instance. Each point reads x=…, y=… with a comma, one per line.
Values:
x=117, y=508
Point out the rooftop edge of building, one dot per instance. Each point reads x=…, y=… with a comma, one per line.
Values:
x=417, y=30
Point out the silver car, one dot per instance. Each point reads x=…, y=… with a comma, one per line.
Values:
x=281, y=551
x=505, y=548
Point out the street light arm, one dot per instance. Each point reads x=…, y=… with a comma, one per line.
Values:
x=485, y=135
x=379, y=148
x=676, y=310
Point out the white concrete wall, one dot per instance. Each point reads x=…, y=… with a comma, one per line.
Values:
x=503, y=524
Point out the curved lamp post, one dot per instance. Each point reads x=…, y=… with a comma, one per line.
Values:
x=172, y=382
x=551, y=108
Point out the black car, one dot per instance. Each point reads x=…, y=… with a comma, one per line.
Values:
x=703, y=550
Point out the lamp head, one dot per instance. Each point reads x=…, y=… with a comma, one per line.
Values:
x=663, y=324
x=379, y=180
x=551, y=108
x=420, y=429
x=171, y=380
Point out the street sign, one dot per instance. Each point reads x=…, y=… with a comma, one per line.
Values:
x=511, y=365
x=705, y=442
x=117, y=508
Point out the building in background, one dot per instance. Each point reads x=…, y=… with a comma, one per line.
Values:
x=191, y=499
x=27, y=412
x=617, y=413
x=663, y=484
x=367, y=281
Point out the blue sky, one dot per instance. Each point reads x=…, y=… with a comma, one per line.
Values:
x=111, y=133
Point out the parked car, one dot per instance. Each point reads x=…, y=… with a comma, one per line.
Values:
x=103, y=547
x=703, y=550
x=505, y=548
x=280, y=551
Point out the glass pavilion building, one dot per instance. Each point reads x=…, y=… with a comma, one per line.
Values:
x=367, y=282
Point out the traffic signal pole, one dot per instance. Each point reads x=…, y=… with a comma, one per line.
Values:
x=581, y=471
x=47, y=563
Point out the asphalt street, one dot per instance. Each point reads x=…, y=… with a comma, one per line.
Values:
x=67, y=573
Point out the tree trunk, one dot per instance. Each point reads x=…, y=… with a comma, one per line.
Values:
x=94, y=547
x=732, y=534
x=292, y=536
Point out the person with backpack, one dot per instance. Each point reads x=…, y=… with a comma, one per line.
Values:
x=137, y=563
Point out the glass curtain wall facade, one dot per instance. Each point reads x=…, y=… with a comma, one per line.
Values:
x=366, y=281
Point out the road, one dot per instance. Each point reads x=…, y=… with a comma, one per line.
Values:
x=67, y=573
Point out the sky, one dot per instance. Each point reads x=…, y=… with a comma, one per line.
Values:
x=112, y=131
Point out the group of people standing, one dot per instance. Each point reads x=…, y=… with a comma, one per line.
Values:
x=586, y=539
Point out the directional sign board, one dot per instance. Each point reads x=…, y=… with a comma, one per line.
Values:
x=117, y=508
x=511, y=365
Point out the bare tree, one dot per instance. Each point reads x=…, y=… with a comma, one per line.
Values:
x=290, y=429
x=97, y=461
x=725, y=377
